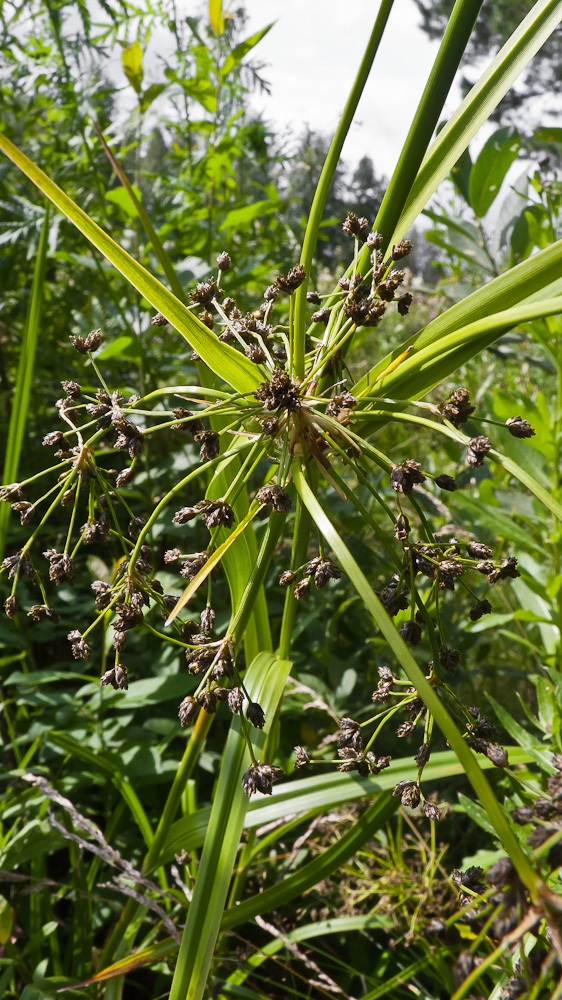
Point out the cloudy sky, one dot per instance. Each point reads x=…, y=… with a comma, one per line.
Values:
x=312, y=54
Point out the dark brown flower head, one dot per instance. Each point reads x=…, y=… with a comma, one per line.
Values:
x=80, y=648
x=184, y=515
x=280, y=392
x=61, y=569
x=25, y=509
x=188, y=710
x=72, y=389
x=270, y=426
x=102, y=591
x=404, y=302
x=255, y=353
x=276, y=496
x=325, y=570
x=352, y=760
x=207, y=620
x=210, y=445
x=423, y=754
x=302, y=589
x=401, y=528
x=302, y=758
x=376, y=764
x=159, y=320
x=404, y=477
x=235, y=700
x=497, y=754
x=129, y=617
x=387, y=289
x=11, y=605
x=406, y=792
x=193, y=564
x=223, y=261
x=136, y=524
x=321, y=316
x=394, y=601
x=271, y=293
x=449, y=658
x=125, y=477
x=204, y=293
x=457, y=408
x=208, y=701
x=287, y=578
x=290, y=282
x=216, y=513
x=431, y=811
x=477, y=450
x=254, y=715
x=445, y=482
x=507, y=570
x=207, y=319
x=519, y=428
x=41, y=612
x=54, y=439
x=358, y=228
x=480, y=608
x=313, y=298
x=478, y=551
x=374, y=241
x=405, y=729
x=448, y=571
x=259, y=778
x=343, y=401
x=402, y=249
x=12, y=492
x=411, y=632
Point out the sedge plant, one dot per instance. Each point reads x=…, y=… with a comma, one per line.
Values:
x=279, y=434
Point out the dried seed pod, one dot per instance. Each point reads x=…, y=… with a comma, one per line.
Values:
x=276, y=496
x=411, y=632
x=80, y=648
x=223, y=261
x=207, y=619
x=402, y=249
x=11, y=605
x=423, y=754
x=478, y=448
x=290, y=282
x=187, y=710
x=259, y=778
x=401, y=528
x=287, y=578
x=254, y=715
x=445, y=482
x=302, y=588
x=480, y=608
x=302, y=758
x=235, y=700
x=404, y=477
x=519, y=428
x=358, y=228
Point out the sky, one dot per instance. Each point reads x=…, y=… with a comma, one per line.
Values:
x=312, y=54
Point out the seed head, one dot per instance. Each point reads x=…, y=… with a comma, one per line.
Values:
x=207, y=620
x=358, y=228
x=235, y=700
x=401, y=528
x=40, y=612
x=411, y=632
x=287, y=578
x=480, y=608
x=259, y=778
x=457, y=408
x=519, y=428
x=223, y=261
x=445, y=482
x=187, y=710
x=302, y=758
x=80, y=648
x=290, y=282
x=477, y=451
x=11, y=605
x=402, y=249
x=302, y=589
x=404, y=477
x=254, y=715
x=276, y=496
x=159, y=320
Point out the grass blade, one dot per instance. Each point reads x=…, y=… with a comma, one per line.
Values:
x=227, y=363
x=434, y=704
x=24, y=377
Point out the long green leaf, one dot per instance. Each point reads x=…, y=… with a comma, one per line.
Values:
x=327, y=176
x=494, y=306
x=265, y=680
x=477, y=106
x=426, y=692
x=323, y=866
x=317, y=794
x=447, y=61
x=227, y=363
x=24, y=377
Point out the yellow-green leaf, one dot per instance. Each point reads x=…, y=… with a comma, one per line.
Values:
x=215, y=16
x=132, y=64
x=6, y=918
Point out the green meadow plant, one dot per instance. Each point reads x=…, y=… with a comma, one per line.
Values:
x=280, y=436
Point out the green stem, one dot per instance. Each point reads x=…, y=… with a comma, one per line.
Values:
x=326, y=178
